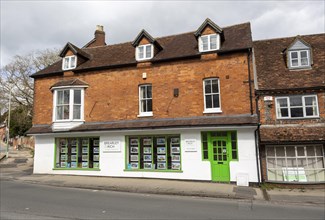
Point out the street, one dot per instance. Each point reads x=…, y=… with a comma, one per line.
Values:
x=31, y=201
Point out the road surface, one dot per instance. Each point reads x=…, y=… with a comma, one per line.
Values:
x=30, y=201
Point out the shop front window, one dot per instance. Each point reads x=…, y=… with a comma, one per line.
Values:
x=161, y=152
x=303, y=163
x=77, y=153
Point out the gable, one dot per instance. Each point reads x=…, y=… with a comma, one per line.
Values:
x=298, y=45
x=212, y=27
x=208, y=30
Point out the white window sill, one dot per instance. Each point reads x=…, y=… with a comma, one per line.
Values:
x=203, y=51
x=65, y=125
x=207, y=111
x=68, y=120
x=68, y=69
x=144, y=59
x=145, y=114
x=299, y=118
x=300, y=68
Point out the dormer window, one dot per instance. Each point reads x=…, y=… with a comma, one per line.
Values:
x=144, y=52
x=299, y=55
x=209, y=42
x=299, y=58
x=69, y=62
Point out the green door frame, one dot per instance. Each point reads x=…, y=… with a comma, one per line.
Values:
x=219, y=150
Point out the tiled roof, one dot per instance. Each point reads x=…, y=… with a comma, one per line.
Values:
x=204, y=121
x=70, y=82
x=299, y=133
x=237, y=37
x=271, y=66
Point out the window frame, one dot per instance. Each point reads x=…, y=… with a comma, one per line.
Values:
x=71, y=104
x=70, y=64
x=212, y=110
x=137, y=142
x=144, y=46
x=78, y=153
x=277, y=107
x=205, y=139
x=286, y=157
x=201, y=49
x=147, y=113
x=299, y=58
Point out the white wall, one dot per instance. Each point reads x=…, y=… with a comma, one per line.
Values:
x=247, y=156
x=113, y=163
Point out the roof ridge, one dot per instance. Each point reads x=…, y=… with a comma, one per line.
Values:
x=247, y=22
x=278, y=38
x=157, y=38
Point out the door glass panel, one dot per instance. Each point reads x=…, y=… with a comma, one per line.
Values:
x=205, y=145
x=234, y=155
x=220, y=157
x=205, y=154
x=224, y=157
x=233, y=145
x=223, y=133
x=215, y=157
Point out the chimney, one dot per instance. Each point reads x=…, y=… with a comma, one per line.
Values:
x=99, y=36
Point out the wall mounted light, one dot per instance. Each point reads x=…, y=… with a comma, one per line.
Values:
x=176, y=92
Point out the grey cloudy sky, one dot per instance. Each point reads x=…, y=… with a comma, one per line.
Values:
x=33, y=25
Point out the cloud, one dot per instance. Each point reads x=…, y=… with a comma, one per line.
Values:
x=33, y=25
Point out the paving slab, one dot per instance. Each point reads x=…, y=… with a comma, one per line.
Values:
x=19, y=167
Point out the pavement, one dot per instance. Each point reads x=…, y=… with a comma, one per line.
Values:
x=19, y=167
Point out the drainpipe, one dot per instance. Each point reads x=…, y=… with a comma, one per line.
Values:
x=249, y=81
x=257, y=152
x=257, y=141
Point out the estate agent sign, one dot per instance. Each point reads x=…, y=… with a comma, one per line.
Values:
x=190, y=145
x=112, y=146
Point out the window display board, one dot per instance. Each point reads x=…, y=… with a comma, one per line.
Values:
x=154, y=152
x=77, y=153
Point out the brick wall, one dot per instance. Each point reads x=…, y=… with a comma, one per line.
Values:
x=113, y=94
x=291, y=130
x=268, y=111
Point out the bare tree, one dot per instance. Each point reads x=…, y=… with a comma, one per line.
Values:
x=15, y=76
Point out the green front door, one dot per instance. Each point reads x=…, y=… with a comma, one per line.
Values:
x=219, y=158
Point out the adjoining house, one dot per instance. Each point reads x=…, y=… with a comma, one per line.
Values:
x=290, y=85
x=177, y=107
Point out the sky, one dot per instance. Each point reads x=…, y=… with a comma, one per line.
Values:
x=28, y=26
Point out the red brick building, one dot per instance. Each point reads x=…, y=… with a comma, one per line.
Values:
x=290, y=87
x=179, y=107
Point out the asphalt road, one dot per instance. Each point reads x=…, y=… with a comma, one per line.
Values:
x=31, y=201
